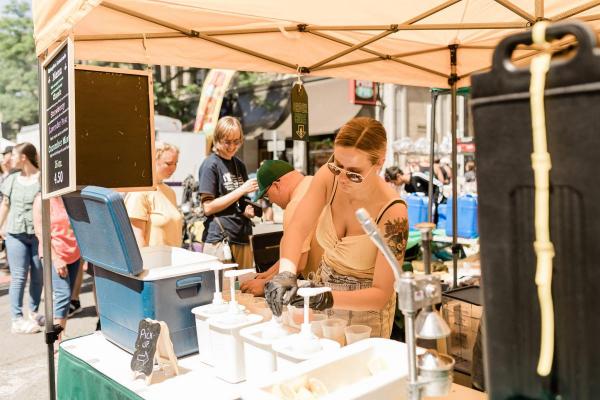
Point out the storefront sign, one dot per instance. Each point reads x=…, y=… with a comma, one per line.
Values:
x=363, y=92
x=58, y=122
x=299, y=113
x=465, y=147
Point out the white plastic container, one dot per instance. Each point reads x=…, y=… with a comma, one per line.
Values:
x=225, y=339
x=373, y=368
x=203, y=313
x=304, y=345
x=228, y=348
x=259, y=356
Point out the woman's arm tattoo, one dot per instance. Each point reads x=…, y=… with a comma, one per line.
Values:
x=396, y=233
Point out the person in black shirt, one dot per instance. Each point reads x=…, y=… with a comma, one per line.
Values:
x=223, y=186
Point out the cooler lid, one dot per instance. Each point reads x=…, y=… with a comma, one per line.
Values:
x=103, y=231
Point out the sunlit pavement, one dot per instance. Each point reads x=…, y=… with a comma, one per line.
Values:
x=24, y=358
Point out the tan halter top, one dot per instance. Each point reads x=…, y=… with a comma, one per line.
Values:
x=350, y=255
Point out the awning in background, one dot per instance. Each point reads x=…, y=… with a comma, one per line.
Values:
x=401, y=41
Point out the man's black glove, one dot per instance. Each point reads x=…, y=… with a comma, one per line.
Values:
x=319, y=302
x=279, y=291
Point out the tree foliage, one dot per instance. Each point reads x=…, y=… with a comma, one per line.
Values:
x=18, y=67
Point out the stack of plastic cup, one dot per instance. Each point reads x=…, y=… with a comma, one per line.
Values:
x=316, y=324
x=333, y=329
x=354, y=333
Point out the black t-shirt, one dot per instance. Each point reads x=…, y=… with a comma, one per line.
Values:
x=217, y=177
x=419, y=183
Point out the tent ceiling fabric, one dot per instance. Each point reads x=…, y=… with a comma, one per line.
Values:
x=399, y=41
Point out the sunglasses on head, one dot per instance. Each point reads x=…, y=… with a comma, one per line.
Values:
x=353, y=177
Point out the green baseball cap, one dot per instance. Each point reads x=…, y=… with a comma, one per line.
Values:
x=269, y=172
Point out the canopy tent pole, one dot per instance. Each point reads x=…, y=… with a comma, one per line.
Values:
x=519, y=11
x=51, y=331
x=48, y=302
x=452, y=82
x=353, y=48
x=434, y=96
x=539, y=9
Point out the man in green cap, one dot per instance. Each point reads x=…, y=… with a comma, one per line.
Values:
x=284, y=186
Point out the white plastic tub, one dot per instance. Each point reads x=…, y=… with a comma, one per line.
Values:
x=259, y=356
x=227, y=346
x=179, y=262
x=346, y=373
x=201, y=315
x=288, y=356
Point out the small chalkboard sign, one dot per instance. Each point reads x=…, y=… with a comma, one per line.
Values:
x=153, y=346
x=58, y=122
x=145, y=346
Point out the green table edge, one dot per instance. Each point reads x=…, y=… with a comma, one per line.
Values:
x=78, y=380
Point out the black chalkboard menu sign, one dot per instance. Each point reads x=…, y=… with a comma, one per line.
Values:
x=58, y=126
x=114, y=128
x=145, y=346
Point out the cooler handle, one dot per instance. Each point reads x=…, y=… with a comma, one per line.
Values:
x=188, y=287
x=585, y=53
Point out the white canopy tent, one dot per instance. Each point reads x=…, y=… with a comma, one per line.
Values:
x=398, y=41
x=430, y=43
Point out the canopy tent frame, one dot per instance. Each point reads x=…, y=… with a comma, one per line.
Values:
x=212, y=35
x=330, y=64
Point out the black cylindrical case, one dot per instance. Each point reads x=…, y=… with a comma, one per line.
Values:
x=503, y=137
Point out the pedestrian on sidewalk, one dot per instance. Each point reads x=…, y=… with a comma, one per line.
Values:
x=19, y=191
x=65, y=255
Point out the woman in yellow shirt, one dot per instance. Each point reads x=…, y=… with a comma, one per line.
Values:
x=154, y=215
x=361, y=280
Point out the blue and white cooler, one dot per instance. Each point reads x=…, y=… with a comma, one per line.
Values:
x=161, y=283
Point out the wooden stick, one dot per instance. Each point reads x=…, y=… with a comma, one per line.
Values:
x=351, y=49
x=575, y=11
x=348, y=63
x=247, y=51
x=375, y=59
x=589, y=18
x=417, y=52
x=422, y=27
x=517, y=10
x=341, y=41
x=539, y=9
x=431, y=71
x=429, y=13
x=128, y=36
x=147, y=18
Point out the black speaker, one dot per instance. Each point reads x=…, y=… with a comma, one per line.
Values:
x=503, y=138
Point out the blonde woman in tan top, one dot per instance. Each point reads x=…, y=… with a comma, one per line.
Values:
x=154, y=215
x=361, y=279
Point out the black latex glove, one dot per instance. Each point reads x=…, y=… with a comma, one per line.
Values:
x=319, y=302
x=279, y=291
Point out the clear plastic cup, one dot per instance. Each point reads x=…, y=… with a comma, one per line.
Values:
x=316, y=324
x=227, y=295
x=296, y=316
x=257, y=303
x=245, y=299
x=266, y=313
x=354, y=333
x=333, y=329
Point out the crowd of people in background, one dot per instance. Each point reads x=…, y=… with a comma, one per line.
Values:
x=323, y=244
